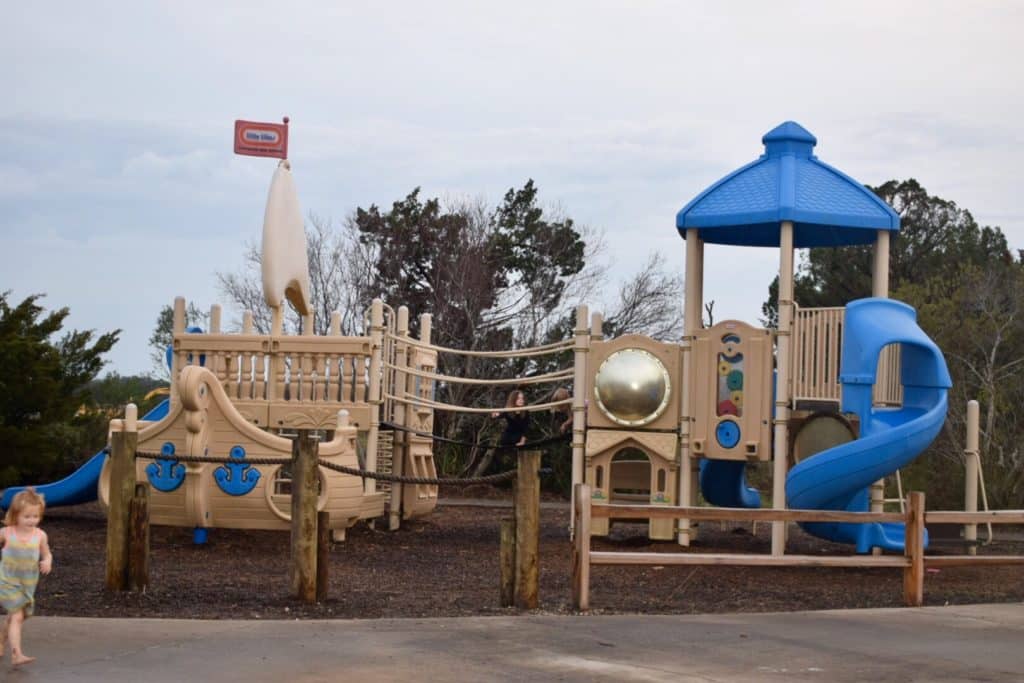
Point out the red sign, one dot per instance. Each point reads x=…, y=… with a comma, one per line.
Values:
x=259, y=139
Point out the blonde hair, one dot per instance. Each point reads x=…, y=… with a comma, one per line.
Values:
x=26, y=498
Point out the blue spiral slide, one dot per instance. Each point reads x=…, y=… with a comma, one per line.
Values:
x=838, y=478
x=80, y=485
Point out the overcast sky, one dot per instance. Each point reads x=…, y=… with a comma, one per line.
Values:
x=119, y=189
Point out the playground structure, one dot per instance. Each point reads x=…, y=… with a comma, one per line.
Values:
x=218, y=452
x=242, y=395
x=699, y=437
x=867, y=381
x=653, y=422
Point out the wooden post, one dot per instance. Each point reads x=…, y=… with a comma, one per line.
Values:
x=305, y=491
x=581, y=549
x=138, y=541
x=581, y=347
x=400, y=439
x=527, y=529
x=122, y=487
x=913, y=543
x=323, y=554
x=507, y=559
x=972, y=470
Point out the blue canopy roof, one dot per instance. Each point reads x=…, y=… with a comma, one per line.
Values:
x=787, y=183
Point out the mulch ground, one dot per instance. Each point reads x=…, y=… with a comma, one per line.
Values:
x=447, y=565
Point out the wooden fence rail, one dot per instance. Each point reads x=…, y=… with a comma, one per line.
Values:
x=913, y=562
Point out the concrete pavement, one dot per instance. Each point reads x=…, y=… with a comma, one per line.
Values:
x=934, y=644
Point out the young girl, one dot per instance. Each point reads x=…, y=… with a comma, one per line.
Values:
x=516, y=423
x=26, y=553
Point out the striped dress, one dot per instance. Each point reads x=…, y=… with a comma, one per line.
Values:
x=19, y=571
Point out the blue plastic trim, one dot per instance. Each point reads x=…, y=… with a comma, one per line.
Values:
x=724, y=483
x=787, y=183
x=166, y=474
x=727, y=433
x=236, y=478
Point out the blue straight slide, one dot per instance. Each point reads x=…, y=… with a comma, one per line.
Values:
x=80, y=485
x=890, y=438
x=724, y=483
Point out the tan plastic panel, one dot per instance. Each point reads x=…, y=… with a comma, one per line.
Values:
x=654, y=477
x=714, y=397
x=670, y=357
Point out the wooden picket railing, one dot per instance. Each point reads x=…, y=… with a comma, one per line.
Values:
x=280, y=374
x=913, y=562
x=292, y=368
x=817, y=351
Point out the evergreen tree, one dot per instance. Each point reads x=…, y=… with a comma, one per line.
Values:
x=43, y=388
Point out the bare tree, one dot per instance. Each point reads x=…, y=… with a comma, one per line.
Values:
x=976, y=316
x=651, y=303
x=340, y=270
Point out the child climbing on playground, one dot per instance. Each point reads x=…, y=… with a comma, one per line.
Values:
x=517, y=422
x=561, y=416
x=26, y=554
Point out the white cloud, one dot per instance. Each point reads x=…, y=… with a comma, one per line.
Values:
x=116, y=129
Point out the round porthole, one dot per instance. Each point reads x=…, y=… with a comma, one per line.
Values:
x=632, y=387
x=278, y=492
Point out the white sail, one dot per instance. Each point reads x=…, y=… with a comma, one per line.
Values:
x=285, y=263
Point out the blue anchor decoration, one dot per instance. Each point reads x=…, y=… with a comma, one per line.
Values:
x=166, y=474
x=236, y=478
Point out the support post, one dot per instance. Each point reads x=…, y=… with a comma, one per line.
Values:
x=581, y=550
x=305, y=492
x=581, y=347
x=782, y=390
x=374, y=399
x=323, y=554
x=596, y=326
x=400, y=438
x=913, y=544
x=138, y=542
x=692, y=321
x=527, y=502
x=507, y=560
x=215, y=319
x=123, y=442
x=879, y=289
x=275, y=387
x=177, y=327
x=972, y=470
